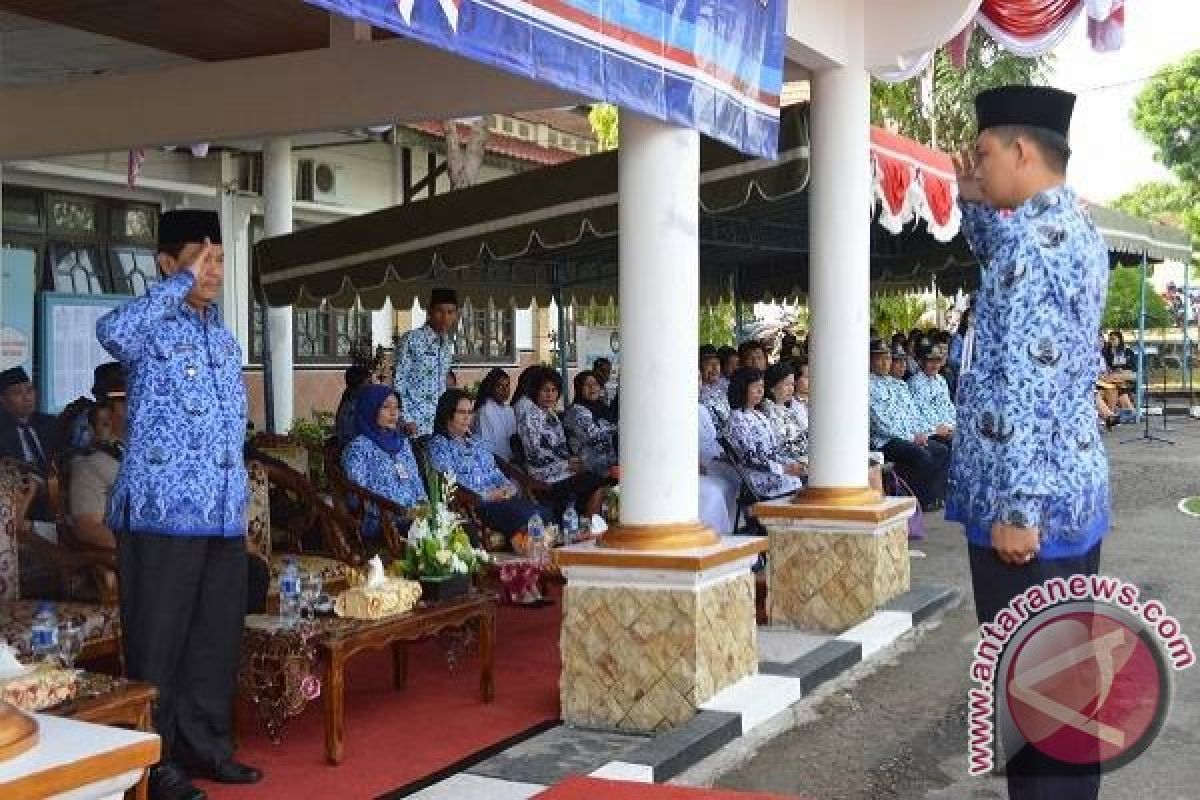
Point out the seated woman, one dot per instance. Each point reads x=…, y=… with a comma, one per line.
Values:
x=1120, y=374
x=589, y=432
x=453, y=449
x=758, y=448
x=545, y=443
x=495, y=421
x=788, y=416
x=379, y=458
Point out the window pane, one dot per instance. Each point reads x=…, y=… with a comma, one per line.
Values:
x=22, y=210
x=75, y=269
x=134, y=222
x=134, y=270
x=73, y=215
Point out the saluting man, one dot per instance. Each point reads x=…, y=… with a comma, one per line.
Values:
x=423, y=358
x=178, y=506
x=1029, y=477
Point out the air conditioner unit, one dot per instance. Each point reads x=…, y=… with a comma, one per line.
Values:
x=318, y=182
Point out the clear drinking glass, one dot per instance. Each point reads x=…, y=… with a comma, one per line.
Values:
x=310, y=593
x=70, y=643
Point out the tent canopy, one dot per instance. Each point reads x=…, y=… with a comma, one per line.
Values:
x=552, y=233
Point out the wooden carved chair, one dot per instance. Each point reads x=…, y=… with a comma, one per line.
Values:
x=100, y=621
x=353, y=501
x=342, y=550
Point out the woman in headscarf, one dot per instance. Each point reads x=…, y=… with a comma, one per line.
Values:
x=379, y=458
x=589, y=432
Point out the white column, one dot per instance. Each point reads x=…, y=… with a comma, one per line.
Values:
x=658, y=175
x=277, y=202
x=839, y=277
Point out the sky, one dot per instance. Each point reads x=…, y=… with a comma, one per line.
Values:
x=1110, y=156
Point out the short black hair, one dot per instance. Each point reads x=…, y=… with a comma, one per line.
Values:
x=541, y=378
x=777, y=373
x=487, y=387
x=1053, y=146
x=748, y=345
x=602, y=360
x=725, y=353
x=739, y=385
x=356, y=376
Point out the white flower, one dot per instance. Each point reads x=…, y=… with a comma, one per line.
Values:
x=418, y=530
x=482, y=556
x=445, y=556
x=458, y=565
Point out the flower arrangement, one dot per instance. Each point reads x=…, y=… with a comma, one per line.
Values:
x=438, y=544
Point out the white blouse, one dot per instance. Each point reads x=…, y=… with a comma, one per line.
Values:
x=494, y=426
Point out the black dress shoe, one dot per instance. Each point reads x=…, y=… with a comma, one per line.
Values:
x=229, y=772
x=169, y=782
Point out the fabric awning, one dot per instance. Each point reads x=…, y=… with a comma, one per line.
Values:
x=1132, y=236
x=521, y=237
x=552, y=232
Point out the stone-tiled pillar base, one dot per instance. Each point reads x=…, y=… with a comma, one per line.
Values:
x=647, y=636
x=830, y=566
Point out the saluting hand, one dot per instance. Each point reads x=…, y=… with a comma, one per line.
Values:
x=964, y=170
x=198, y=265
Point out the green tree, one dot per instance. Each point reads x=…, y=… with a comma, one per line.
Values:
x=945, y=117
x=1124, y=301
x=605, y=121
x=891, y=313
x=716, y=323
x=1166, y=112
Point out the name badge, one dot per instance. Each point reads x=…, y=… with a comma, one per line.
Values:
x=401, y=471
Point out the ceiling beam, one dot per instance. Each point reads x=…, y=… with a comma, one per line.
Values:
x=369, y=83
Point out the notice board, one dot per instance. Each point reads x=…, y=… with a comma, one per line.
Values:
x=69, y=350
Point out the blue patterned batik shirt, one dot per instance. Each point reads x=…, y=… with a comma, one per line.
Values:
x=394, y=477
x=1027, y=451
x=423, y=357
x=932, y=398
x=183, y=473
x=470, y=462
x=894, y=415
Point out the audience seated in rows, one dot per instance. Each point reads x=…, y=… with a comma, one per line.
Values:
x=547, y=452
x=714, y=389
x=787, y=415
x=759, y=449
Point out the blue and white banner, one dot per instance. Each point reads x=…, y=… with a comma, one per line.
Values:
x=712, y=65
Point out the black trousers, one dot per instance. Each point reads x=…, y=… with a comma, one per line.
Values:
x=922, y=467
x=183, y=606
x=1031, y=774
x=573, y=490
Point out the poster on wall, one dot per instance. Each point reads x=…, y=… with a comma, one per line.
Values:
x=69, y=351
x=18, y=269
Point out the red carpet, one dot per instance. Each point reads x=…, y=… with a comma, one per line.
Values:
x=394, y=738
x=579, y=788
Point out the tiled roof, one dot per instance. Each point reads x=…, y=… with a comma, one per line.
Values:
x=503, y=145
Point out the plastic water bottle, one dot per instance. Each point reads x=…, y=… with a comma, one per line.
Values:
x=43, y=636
x=537, y=535
x=289, y=592
x=570, y=525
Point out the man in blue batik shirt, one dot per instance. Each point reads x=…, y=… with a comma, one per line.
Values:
x=178, y=506
x=423, y=357
x=1029, y=477
x=931, y=393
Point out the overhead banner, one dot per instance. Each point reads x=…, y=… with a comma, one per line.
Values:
x=712, y=65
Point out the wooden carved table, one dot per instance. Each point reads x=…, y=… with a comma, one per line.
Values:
x=105, y=700
x=280, y=663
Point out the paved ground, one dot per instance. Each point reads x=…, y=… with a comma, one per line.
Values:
x=898, y=732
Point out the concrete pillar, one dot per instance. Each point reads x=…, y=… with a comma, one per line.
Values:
x=658, y=171
x=277, y=203
x=659, y=616
x=839, y=277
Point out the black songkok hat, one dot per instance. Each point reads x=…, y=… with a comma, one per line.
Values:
x=188, y=226
x=879, y=346
x=439, y=296
x=13, y=377
x=108, y=380
x=1032, y=106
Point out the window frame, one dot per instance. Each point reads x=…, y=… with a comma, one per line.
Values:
x=494, y=317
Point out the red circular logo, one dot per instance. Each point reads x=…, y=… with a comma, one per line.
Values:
x=1088, y=687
